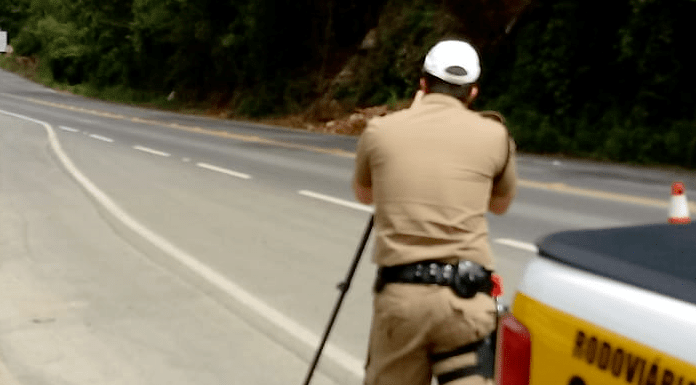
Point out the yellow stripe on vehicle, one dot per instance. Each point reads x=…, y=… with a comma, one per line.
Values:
x=569, y=350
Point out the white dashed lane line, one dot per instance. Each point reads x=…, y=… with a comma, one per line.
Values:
x=102, y=138
x=223, y=170
x=165, y=154
x=517, y=245
x=357, y=206
x=68, y=129
x=310, y=194
x=337, y=201
x=151, y=151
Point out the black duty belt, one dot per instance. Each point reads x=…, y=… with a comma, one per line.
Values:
x=466, y=278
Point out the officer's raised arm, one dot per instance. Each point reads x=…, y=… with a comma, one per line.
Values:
x=505, y=184
x=362, y=193
x=362, y=178
x=500, y=204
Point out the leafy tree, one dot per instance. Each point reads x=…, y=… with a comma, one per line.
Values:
x=611, y=82
x=12, y=15
x=572, y=76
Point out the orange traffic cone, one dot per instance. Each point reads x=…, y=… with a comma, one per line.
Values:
x=678, y=207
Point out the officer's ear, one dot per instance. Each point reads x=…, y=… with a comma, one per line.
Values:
x=473, y=92
x=423, y=85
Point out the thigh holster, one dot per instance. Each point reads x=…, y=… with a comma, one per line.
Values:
x=477, y=358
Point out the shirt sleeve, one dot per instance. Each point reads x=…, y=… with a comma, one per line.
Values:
x=363, y=173
x=505, y=183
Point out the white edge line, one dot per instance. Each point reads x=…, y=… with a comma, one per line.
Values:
x=223, y=170
x=338, y=201
x=273, y=316
x=69, y=129
x=517, y=244
x=151, y=151
x=102, y=138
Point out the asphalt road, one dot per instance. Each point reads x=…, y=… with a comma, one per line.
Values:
x=139, y=246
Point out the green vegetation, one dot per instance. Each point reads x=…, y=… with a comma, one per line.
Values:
x=577, y=77
x=608, y=82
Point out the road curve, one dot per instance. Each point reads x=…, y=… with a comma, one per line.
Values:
x=214, y=247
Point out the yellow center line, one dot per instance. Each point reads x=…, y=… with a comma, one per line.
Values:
x=546, y=186
x=609, y=196
x=195, y=129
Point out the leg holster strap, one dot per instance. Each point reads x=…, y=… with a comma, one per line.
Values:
x=436, y=357
x=459, y=373
x=485, y=360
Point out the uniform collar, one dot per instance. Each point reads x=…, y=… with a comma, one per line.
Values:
x=442, y=99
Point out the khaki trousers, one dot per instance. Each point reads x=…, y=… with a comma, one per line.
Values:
x=412, y=321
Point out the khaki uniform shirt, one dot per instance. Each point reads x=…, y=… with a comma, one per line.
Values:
x=432, y=169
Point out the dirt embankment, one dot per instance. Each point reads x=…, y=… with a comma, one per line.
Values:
x=352, y=123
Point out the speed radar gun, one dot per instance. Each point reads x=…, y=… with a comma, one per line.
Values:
x=343, y=287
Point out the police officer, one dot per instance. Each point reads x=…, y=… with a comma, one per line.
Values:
x=433, y=171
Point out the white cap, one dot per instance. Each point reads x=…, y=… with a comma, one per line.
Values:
x=453, y=61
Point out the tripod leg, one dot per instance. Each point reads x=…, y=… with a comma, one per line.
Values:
x=343, y=287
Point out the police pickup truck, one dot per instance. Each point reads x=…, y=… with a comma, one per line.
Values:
x=604, y=307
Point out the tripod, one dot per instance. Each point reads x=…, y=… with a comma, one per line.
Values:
x=343, y=287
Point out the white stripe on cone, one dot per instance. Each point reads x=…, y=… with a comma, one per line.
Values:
x=679, y=207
